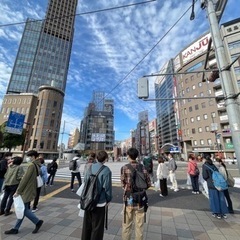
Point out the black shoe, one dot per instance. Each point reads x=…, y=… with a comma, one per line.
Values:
x=8, y=213
x=38, y=225
x=2, y=213
x=11, y=231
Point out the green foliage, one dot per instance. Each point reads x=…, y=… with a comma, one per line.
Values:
x=10, y=140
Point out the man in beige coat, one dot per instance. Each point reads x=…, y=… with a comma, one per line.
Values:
x=27, y=189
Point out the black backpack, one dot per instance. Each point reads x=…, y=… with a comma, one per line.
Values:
x=90, y=195
x=50, y=167
x=73, y=165
x=138, y=181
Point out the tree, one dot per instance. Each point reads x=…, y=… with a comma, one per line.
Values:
x=10, y=140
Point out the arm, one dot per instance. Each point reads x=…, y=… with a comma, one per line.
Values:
x=20, y=173
x=107, y=185
x=122, y=177
x=158, y=171
x=25, y=179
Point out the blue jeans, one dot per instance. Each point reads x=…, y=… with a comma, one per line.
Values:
x=27, y=213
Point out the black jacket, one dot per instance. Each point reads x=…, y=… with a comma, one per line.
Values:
x=3, y=167
x=207, y=174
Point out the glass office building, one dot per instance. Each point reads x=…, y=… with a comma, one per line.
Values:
x=45, y=48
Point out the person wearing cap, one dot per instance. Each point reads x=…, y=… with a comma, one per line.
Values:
x=75, y=173
x=3, y=167
x=27, y=189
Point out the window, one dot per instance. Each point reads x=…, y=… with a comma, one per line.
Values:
x=188, y=90
x=190, y=109
x=205, y=116
x=199, y=129
x=200, y=84
x=198, y=118
x=207, y=129
x=195, y=142
x=201, y=142
x=209, y=141
x=213, y=114
x=201, y=94
x=203, y=105
x=196, y=107
x=193, y=131
x=192, y=119
x=193, y=87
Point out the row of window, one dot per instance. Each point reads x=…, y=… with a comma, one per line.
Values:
x=17, y=101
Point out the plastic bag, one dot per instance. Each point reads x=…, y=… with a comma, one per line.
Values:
x=39, y=181
x=157, y=185
x=1, y=196
x=19, y=206
x=81, y=211
x=80, y=189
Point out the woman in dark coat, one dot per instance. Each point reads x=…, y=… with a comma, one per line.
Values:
x=216, y=198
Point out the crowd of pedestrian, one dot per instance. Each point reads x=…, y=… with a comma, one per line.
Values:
x=135, y=200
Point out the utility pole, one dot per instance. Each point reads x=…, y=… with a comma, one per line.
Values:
x=60, y=149
x=231, y=97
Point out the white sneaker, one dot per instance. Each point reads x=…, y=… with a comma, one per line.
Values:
x=34, y=210
x=176, y=190
x=194, y=192
x=161, y=195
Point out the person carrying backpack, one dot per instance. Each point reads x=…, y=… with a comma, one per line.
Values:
x=74, y=166
x=216, y=198
x=93, y=221
x=52, y=171
x=135, y=200
x=172, y=167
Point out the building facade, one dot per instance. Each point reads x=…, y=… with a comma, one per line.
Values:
x=73, y=138
x=204, y=120
x=41, y=67
x=97, y=126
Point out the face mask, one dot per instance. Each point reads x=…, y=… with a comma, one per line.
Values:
x=28, y=159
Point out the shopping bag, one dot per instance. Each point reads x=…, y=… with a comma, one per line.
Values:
x=1, y=196
x=80, y=189
x=157, y=185
x=39, y=181
x=81, y=211
x=19, y=206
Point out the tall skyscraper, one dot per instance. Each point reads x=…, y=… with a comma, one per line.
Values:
x=45, y=48
x=41, y=68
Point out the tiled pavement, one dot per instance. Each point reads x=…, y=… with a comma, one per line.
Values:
x=61, y=221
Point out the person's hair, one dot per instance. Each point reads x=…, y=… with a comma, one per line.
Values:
x=208, y=159
x=32, y=153
x=7, y=154
x=132, y=153
x=191, y=156
x=41, y=160
x=17, y=160
x=54, y=159
x=92, y=155
x=102, y=156
x=160, y=159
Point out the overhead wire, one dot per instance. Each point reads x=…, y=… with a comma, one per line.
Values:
x=77, y=14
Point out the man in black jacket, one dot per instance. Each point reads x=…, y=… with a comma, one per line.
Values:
x=3, y=167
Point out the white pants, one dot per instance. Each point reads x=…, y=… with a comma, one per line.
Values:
x=173, y=180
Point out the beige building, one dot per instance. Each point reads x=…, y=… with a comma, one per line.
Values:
x=204, y=121
x=42, y=118
x=73, y=138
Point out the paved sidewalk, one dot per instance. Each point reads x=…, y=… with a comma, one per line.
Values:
x=61, y=221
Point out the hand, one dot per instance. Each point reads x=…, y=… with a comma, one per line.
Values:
x=15, y=195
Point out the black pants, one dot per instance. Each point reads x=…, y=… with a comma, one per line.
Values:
x=51, y=178
x=229, y=201
x=163, y=186
x=7, y=200
x=195, y=184
x=93, y=224
x=35, y=203
x=78, y=176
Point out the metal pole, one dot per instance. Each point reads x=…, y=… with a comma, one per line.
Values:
x=225, y=79
x=60, y=149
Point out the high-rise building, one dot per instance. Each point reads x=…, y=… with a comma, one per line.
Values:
x=45, y=48
x=97, y=126
x=41, y=67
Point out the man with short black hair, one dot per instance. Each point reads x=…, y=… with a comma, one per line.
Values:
x=93, y=221
x=75, y=173
x=133, y=211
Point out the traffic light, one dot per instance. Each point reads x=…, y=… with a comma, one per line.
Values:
x=213, y=76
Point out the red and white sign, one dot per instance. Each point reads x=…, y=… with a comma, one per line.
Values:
x=196, y=48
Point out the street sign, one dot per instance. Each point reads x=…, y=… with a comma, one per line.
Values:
x=15, y=123
x=174, y=150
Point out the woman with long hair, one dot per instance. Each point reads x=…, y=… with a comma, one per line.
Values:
x=223, y=170
x=193, y=172
x=216, y=198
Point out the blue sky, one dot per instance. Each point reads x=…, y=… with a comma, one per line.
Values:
x=107, y=47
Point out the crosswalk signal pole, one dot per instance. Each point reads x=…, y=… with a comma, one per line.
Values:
x=231, y=97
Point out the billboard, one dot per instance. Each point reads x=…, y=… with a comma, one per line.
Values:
x=15, y=123
x=98, y=137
